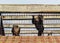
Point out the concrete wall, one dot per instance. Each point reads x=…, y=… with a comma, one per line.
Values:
x=29, y=8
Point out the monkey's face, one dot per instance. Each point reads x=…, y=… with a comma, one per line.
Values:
x=16, y=29
x=36, y=18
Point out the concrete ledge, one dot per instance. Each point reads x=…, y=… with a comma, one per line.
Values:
x=35, y=31
x=30, y=25
x=28, y=17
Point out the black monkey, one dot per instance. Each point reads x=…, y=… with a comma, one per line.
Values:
x=38, y=21
x=1, y=27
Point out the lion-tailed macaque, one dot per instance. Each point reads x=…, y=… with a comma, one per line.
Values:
x=38, y=21
x=2, y=33
x=15, y=30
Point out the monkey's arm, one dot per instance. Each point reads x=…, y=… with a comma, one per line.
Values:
x=33, y=20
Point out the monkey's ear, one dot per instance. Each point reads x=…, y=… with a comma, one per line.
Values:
x=33, y=16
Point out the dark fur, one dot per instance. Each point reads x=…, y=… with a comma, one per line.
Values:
x=2, y=28
x=39, y=24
